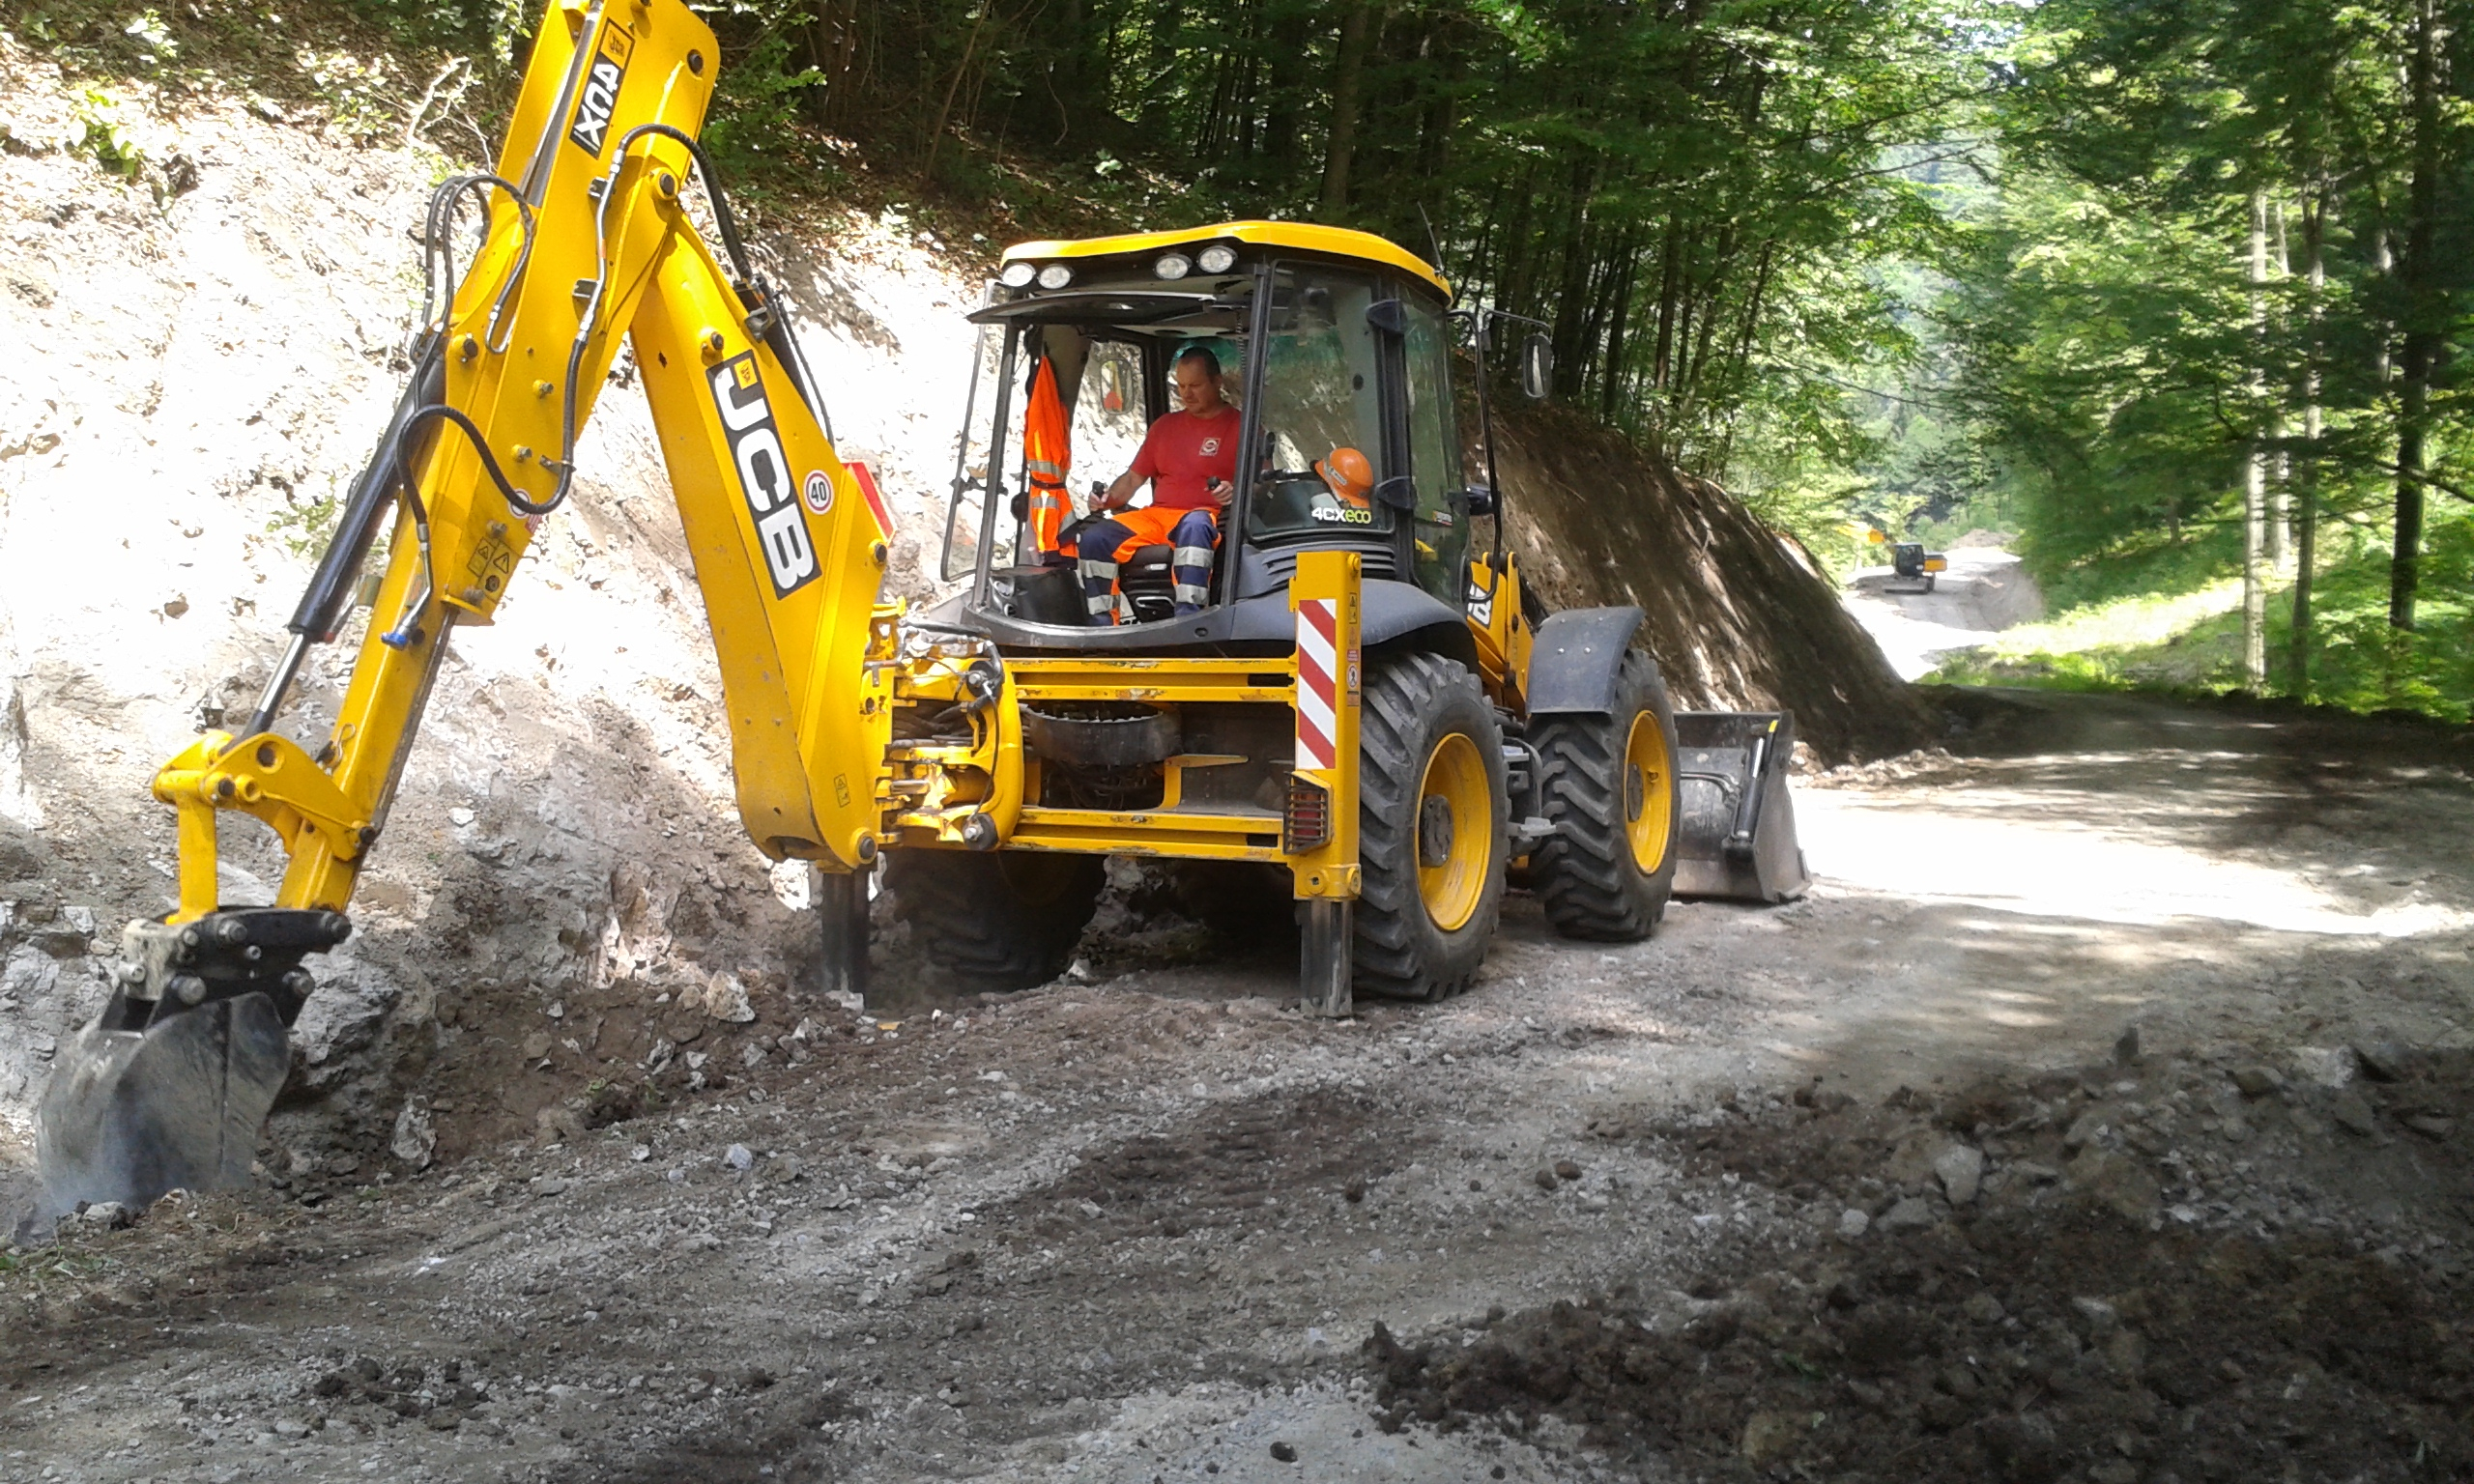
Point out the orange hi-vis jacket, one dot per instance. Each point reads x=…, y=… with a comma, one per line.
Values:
x=1048, y=454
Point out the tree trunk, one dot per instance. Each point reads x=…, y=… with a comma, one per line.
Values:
x=2280, y=473
x=2421, y=316
x=2254, y=474
x=2314, y=215
x=1348, y=70
x=945, y=109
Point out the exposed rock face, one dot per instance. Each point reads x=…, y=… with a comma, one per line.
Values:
x=218, y=359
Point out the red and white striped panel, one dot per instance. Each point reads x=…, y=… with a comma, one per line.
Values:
x=1319, y=670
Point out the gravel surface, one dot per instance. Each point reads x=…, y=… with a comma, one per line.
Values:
x=1894, y=1183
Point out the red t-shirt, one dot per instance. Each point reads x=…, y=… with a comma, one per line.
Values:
x=1183, y=453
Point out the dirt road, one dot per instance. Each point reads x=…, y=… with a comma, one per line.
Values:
x=1985, y=591
x=1865, y=1188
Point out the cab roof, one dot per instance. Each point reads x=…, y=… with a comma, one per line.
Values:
x=1304, y=237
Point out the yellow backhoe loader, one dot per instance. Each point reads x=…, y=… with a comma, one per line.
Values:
x=1362, y=715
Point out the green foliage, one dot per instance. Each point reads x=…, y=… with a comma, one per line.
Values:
x=2125, y=349
x=760, y=90
x=100, y=140
x=306, y=526
x=2159, y=623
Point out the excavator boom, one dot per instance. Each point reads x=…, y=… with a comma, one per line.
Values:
x=585, y=236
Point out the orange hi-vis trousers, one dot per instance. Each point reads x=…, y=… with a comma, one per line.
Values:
x=1104, y=543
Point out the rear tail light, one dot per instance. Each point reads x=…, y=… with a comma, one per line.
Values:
x=1306, y=823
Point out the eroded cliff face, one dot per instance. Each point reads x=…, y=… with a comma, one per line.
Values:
x=200, y=360
x=1739, y=617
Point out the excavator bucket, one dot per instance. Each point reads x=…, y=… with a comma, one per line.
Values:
x=130, y=1115
x=1739, y=827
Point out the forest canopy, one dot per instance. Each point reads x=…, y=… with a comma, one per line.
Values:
x=2173, y=292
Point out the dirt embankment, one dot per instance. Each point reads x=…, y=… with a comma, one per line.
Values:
x=1739, y=618
x=201, y=358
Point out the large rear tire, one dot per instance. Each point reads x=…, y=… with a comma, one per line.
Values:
x=1432, y=837
x=1609, y=785
x=1002, y=920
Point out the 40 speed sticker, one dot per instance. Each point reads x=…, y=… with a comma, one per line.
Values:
x=817, y=492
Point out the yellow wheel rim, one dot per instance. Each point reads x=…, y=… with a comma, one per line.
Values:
x=1455, y=832
x=1648, y=818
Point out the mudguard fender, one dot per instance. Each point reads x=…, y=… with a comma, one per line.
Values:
x=1573, y=664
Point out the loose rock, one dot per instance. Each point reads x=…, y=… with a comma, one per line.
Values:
x=1961, y=1168
x=2382, y=1061
x=1911, y=1213
x=2119, y=1181
x=2352, y=1113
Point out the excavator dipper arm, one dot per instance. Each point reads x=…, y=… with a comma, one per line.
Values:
x=588, y=236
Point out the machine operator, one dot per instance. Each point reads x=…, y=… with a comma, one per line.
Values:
x=1189, y=457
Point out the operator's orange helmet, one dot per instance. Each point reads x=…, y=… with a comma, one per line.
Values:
x=1348, y=474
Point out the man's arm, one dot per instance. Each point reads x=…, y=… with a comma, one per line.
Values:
x=1120, y=494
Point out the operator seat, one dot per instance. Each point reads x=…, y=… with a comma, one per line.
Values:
x=1148, y=583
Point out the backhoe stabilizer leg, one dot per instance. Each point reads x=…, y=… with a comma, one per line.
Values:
x=842, y=910
x=1325, y=956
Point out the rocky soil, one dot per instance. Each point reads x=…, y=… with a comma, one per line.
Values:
x=1873, y=1187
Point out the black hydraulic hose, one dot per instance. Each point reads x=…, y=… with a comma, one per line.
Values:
x=319, y=614
x=723, y=222
x=755, y=295
x=321, y=610
x=439, y=411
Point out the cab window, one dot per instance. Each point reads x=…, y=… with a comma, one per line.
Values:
x=1440, y=529
x=1319, y=395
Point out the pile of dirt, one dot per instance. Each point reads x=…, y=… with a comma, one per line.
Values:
x=2186, y=1271
x=1740, y=617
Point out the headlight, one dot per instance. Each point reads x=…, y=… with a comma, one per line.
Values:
x=1173, y=265
x=1018, y=275
x=1056, y=275
x=1217, y=259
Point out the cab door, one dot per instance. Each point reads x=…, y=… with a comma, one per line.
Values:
x=1439, y=519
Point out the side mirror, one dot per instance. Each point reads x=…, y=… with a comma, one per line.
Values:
x=1479, y=499
x=1387, y=316
x=1399, y=491
x=1536, y=366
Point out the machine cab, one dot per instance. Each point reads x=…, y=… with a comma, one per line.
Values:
x=1333, y=348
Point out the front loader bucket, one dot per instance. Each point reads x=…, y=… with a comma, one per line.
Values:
x=130, y=1115
x=1739, y=827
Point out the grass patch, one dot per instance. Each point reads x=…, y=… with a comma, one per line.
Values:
x=2190, y=640
x=2152, y=564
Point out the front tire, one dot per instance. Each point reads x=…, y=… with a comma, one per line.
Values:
x=1432, y=837
x=1609, y=785
x=995, y=922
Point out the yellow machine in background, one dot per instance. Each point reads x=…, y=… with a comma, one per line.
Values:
x=1369, y=718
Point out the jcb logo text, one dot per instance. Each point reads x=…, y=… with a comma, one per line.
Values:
x=765, y=474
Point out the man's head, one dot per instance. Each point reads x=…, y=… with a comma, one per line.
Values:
x=1197, y=378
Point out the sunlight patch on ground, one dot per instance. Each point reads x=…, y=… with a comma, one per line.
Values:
x=1971, y=848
